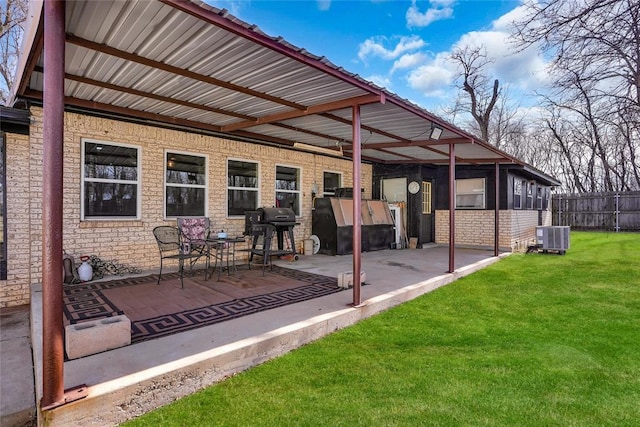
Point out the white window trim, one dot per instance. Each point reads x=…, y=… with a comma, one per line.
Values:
x=299, y=185
x=138, y=182
x=539, y=191
x=167, y=184
x=324, y=193
x=484, y=194
x=530, y=196
x=519, y=180
x=227, y=187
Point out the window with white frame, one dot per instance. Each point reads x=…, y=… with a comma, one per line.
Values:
x=517, y=193
x=288, y=188
x=331, y=181
x=470, y=193
x=539, y=191
x=529, y=195
x=110, y=180
x=185, y=192
x=243, y=187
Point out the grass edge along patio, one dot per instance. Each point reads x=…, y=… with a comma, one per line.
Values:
x=531, y=340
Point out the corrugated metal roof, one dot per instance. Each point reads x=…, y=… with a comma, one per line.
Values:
x=197, y=66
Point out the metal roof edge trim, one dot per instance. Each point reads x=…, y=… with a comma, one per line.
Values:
x=31, y=29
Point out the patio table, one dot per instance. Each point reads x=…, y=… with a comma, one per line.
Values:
x=224, y=249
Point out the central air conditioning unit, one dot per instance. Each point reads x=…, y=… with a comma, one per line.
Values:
x=553, y=238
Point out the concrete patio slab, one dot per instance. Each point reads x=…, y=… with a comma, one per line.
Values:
x=127, y=382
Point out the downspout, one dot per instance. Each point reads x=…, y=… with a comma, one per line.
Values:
x=452, y=206
x=53, y=133
x=496, y=237
x=357, y=206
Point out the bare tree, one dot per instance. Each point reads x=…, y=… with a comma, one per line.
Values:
x=594, y=102
x=482, y=95
x=13, y=14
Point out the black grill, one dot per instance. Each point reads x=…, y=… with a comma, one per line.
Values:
x=277, y=216
x=283, y=219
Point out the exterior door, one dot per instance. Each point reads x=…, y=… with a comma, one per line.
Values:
x=427, y=223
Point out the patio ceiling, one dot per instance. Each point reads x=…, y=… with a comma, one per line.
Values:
x=190, y=65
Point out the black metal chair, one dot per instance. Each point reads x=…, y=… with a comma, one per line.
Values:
x=170, y=246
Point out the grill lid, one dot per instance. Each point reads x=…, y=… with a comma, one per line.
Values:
x=277, y=215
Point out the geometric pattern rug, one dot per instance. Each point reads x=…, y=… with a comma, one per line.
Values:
x=206, y=302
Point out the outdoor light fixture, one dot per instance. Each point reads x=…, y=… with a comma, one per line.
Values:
x=436, y=132
x=317, y=149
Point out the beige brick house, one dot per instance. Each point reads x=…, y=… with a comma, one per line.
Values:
x=130, y=241
x=139, y=102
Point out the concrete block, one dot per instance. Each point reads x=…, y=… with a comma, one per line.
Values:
x=345, y=280
x=95, y=336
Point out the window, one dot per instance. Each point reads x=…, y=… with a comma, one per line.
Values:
x=288, y=188
x=242, y=187
x=470, y=193
x=185, y=185
x=529, y=195
x=426, y=197
x=539, y=198
x=517, y=193
x=331, y=181
x=110, y=181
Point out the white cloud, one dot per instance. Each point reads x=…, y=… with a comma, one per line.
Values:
x=381, y=81
x=409, y=60
x=505, y=22
x=375, y=47
x=433, y=79
x=440, y=9
x=521, y=69
x=324, y=4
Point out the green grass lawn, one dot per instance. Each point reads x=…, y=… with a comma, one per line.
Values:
x=533, y=340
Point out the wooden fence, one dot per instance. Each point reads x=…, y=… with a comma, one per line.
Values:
x=610, y=211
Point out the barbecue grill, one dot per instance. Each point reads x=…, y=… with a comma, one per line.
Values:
x=265, y=222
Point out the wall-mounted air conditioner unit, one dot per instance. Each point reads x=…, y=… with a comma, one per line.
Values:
x=553, y=238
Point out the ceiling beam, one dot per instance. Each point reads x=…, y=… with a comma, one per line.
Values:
x=109, y=50
x=110, y=86
x=314, y=109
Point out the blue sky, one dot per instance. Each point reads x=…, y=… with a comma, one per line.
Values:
x=401, y=45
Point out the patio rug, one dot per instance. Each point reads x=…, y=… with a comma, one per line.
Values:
x=160, y=310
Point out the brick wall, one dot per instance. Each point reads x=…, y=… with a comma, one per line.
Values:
x=132, y=242
x=476, y=227
x=15, y=290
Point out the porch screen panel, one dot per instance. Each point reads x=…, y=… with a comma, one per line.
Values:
x=242, y=187
x=110, y=181
x=185, y=185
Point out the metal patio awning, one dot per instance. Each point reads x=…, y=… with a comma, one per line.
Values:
x=190, y=65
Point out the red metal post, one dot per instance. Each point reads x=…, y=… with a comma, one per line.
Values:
x=452, y=206
x=52, y=129
x=357, y=206
x=496, y=237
